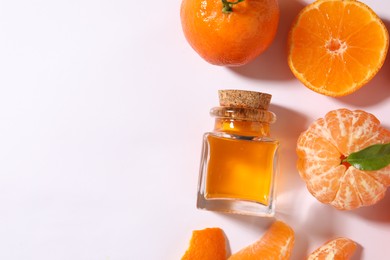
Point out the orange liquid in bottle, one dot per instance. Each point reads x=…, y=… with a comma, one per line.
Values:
x=239, y=157
x=240, y=169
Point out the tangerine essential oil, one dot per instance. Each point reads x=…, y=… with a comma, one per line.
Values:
x=239, y=158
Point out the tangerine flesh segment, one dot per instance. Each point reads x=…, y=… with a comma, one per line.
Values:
x=340, y=248
x=365, y=131
x=347, y=196
x=276, y=243
x=326, y=186
x=339, y=123
x=206, y=244
x=369, y=189
x=382, y=175
x=336, y=46
x=353, y=130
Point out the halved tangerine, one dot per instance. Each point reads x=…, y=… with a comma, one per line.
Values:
x=337, y=46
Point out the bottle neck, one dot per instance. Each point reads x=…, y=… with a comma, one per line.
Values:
x=242, y=121
x=242, y=127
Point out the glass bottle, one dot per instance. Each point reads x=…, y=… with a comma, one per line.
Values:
x=239, y=158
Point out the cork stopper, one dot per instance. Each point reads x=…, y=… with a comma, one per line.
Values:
x=244, y=99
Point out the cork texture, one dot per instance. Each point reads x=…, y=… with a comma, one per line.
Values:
x=244, y=99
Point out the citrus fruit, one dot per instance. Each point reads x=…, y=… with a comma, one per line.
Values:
x=276, y=243
x=229, y=33
x=322, y=148
x=339, y=249
x=337, y=46
x=206, y=244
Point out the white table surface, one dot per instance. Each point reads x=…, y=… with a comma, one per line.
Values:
x=102, y=109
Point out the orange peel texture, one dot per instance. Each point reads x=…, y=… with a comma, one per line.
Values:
x=206, y=244
x=229, y=39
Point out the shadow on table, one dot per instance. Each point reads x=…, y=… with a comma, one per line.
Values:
x=289, y=125
x=358, y=253
x=321, y=223
x=272, y=64
x=379, y=212
x=247, y=222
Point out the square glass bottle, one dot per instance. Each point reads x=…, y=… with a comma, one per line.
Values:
x=239, y=158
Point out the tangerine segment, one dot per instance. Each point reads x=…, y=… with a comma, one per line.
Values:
x=277, y=243
x=339, y=249
x=323, y=146
x=357, y=189
x=206, y=244
x=336, y=46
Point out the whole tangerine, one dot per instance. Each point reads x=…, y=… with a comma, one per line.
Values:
x=229, y=33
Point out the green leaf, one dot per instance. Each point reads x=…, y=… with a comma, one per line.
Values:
x=372, y=158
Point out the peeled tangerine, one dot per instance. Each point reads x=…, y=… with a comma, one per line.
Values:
x=323, y=146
